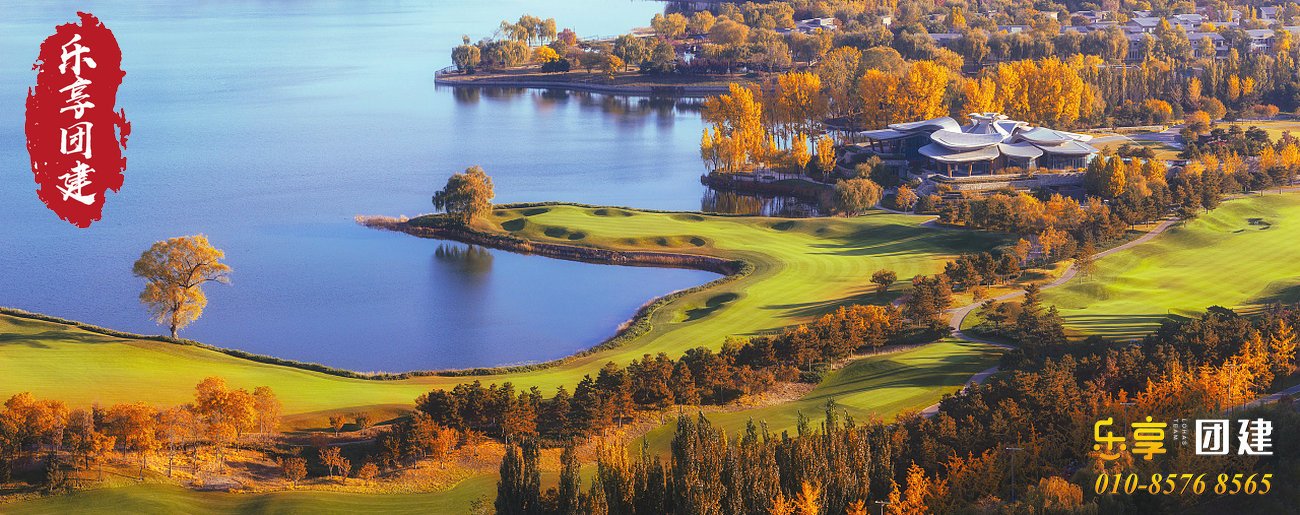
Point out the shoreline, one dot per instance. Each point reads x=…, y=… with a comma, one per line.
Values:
x=633, y=327
x=530, y=79
x=682, y=91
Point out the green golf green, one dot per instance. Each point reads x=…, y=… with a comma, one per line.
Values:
x=1239, y=255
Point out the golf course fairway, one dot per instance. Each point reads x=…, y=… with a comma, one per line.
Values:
x=1241, y=254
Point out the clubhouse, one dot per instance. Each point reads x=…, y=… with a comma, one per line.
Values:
x=991, y=142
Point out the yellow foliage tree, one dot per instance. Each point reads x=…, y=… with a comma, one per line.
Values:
x=545, y=54
x=877, y=92
x=809, y=500
x=1289, y=156
x=1054, y=494
x=738, y=135
x=610, y=66
x=838, y=69
x=914, y=499
x=825, y=154
x=1154, y=171
x=956, y=20
x=800, y=102
x=1046, y=92
x=1267, y=157
x=921, y=92
x=980, y=96
x=176, y=270
x=1050, y=239
x=799, y=152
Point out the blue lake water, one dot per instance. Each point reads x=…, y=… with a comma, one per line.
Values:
x=268, y=125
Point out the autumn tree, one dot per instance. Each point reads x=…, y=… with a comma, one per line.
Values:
x=176, y=270
x=363, y=420
x=267, y=408
x=368, y=471
x=826, y=157
x=610, y=65
x=173, y=429
x=336, y=422
x=979, y=96
x=466, y=195
x=856, y=195
x=225, y=413
x=1086, y=263
x=545, y=54
x=809, y=500
x=737, y=137
x=670, y=26
x=883, y=279
x=905, y=198
x=293, y=469
x=333, y=460
x=133, y=425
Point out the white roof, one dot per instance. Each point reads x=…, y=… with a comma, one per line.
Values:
x=1044, y=136
x=881, y=134
x=1069, y=148
x=965, y=140
x=942, y=122
x=1021, y=150
x=944, y=155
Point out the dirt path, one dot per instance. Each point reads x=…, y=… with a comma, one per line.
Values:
x=959, y=314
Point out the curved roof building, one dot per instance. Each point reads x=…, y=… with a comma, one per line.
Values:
x=990, y=142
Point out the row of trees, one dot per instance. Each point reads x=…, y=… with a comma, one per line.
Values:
x=768, y=127
x=955, y=461
x=700, y=376
x=35, y=431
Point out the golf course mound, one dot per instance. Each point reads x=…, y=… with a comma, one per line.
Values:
x=1240, y=255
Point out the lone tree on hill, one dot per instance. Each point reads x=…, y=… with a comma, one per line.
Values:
x=466, y=195
x=176, y=269
x=883, y=279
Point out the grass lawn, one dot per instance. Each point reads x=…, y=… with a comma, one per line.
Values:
x=1274, y=128
x=159, y=498
x=803, y=269
x=878, y=386
x=1239, y=255
x=1162, y=151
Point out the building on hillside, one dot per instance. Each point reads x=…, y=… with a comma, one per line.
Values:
x=812, y=25
x=1187, y=22
x=1141, y=25
x=990, y=143
x=1261, y=40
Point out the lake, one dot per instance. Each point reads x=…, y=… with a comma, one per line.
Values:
x=268, y=125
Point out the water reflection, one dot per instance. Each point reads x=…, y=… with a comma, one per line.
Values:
x=619, y=105
x=730, y=202
x=469, y=260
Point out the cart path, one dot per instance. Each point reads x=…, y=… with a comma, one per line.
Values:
x=959, y=314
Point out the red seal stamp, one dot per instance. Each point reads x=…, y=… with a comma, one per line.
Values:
x=74, y=136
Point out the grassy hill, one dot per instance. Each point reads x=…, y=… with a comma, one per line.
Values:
x=1240, y=255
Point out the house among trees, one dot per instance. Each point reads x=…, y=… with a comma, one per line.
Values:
x=991, y=142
